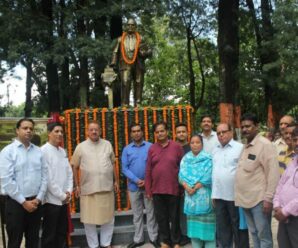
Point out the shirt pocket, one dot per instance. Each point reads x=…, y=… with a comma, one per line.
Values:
x=250, y=165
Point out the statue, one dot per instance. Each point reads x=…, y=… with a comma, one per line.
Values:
x=129, y=54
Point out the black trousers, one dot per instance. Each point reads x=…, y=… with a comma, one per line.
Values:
x=20, y=222
x=167, y=214
x=227, y=223
x=55, y=224
x=287, y=234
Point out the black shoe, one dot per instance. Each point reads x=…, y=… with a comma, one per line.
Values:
x=133, y=244
x=184, y=240
x=155, y=243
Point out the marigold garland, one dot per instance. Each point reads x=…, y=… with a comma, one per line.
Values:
x=188, y=121
x=95, y=114
x=146, y=123
x=164, y=114
x=180, y=113
x=103, y=121
x=117, y=169
x=126, y=126
x=77, y=126
x=136, y=115
x=173, y=123
x=86, y=122
x=137, y=46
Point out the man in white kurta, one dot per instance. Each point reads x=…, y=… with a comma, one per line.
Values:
x=59, y=189
x=95, y=159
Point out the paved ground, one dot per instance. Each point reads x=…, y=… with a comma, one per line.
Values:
x=274, y=231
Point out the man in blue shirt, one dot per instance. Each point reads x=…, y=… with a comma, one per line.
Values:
x=23, y=176
x=134, y=158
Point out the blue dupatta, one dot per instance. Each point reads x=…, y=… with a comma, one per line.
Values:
x=194, y=169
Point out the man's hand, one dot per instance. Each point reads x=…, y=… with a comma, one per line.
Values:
x=77, y=192
x=116, y=187
x=67, y=198
x=267, y=207
x=30, y=206
x=279, y=215
x=141, y=183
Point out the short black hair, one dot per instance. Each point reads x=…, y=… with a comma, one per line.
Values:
x=181, y=124
x=250, y=117
x=206, y=116
x=199, y=136
x=135, y=124
x=22, y=120
x=158, y=124
x=52, y=125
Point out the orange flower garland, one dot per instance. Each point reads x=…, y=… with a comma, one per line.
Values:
x=95, y=114
x=180, y=113
x=164, y=114
x=173, y=123
x=146, y=124
x=127, y=60
x=77, y=126
x=126, y=126
x=103, y=122
x=116, y=153
x=86, y=122
x=136, y=115
x=188, y=121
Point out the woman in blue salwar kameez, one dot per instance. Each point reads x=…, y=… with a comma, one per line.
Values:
x=195, y=177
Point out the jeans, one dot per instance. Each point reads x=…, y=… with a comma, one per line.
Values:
x=259, y=225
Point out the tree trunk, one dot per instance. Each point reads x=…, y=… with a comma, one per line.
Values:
x=51, y=67
x=83, y=60
x=228, y=49
x=29, y=83
x=98, y=98
x=267, y=54
x=65, y=95
x=192, y=80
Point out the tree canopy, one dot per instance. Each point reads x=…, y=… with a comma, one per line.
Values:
x=64, y=45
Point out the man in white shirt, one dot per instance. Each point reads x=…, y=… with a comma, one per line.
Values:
x=225, y=158
x=60, y=184
x=210, y=139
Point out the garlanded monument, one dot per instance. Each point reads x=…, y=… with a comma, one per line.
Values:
x=129, y=56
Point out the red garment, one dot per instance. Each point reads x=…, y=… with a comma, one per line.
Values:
x=162, y=169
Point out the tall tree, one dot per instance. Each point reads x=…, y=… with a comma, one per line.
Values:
x=228, y=49
x=51, y=66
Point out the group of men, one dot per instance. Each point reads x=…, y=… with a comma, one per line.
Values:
x=30, y=176
x=244, y=181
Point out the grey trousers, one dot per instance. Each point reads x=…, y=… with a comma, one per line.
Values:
x=287, y=233
x=138, y=202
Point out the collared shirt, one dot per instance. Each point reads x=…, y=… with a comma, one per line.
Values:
x=280, y=145
x=210, y=142
x=96, y=162
x=257, y=173
x=134, y=160
x=225, y=160
x=286, y=195
x=162, y=169
x=23, y=172
x=60, y=178
x=285, y=157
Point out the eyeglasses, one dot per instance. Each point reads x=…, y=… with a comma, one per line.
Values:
x=222, y=132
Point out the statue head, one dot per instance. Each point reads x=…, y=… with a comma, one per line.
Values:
x=131, y=25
